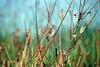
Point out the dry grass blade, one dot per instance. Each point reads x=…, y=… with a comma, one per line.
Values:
x=53, y=7
x=46, y=5
x=4, y=63
x=7, y=53
x=71, y=43
x=79, y=61
x=49, y=44
x=61, y=59
x=91, y=20
x=90, y=6
x=90, y=11
x=80, y=6
x=83, y=14
x=25, y=27
x=71, y=24
x=24, y=53
x=37, y=35
x=63, y=18
x=48, y=17
x=83, y=6
x=50, y=13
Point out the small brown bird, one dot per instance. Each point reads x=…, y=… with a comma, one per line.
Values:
x=51, y=32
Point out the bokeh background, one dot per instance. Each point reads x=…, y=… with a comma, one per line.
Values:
x=14, y=13
x=20, y=14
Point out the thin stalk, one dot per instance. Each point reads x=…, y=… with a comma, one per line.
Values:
x=79, y=61
x=89, y=11
x=53, y=7
x=83, y=6
x=25, y=27
x=80, y=6
x=37, y=36
x=63, y=18
x=71, y=43
x=50, y=13
x=71, y=24
x=7, y=54
x=81, y=15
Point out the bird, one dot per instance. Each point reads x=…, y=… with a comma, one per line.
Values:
x=51, y=32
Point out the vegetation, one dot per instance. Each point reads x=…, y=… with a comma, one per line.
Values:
x=54, y=47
